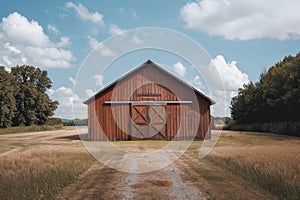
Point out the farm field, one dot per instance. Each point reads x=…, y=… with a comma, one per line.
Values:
x=56, y=165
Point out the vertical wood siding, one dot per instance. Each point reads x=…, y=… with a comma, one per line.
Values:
x=182, y=120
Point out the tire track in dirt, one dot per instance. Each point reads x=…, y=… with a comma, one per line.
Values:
x=131, y=179
x=161, y=184
x=180, y=189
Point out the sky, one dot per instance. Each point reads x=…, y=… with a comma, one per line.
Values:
x=241, y=38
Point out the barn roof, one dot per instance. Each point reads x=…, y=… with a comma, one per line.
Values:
x=149, y=62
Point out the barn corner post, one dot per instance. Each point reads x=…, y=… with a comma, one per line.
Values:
x=149, y=103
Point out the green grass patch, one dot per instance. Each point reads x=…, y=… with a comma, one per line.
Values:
x=23, y=129
x=274, y=183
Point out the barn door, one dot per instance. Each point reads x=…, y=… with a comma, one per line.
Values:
x=148, y=122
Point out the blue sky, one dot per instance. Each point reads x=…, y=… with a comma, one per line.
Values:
x=243, y=38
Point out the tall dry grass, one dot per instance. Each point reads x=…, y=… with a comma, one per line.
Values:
x=33, y=128
x=40, y=173
x=274, y=168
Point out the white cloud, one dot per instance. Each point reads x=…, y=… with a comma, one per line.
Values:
x=93, y=42
x=100, y=47
x=72, y=80
x=84, y=13
x=70, y=105
x=64, y=41
x=24, y=42
x=99, y=80
x=179, y=68
x=89, y=92
x=6, y=60
x=115, y=30
x=18, y=29
x=52, y=28
x=197, y=81
x=244, y=20
x=136, y=40
x=12, y=49
x=232, y=77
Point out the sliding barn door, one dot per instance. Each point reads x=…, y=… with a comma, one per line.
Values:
x=148, y=122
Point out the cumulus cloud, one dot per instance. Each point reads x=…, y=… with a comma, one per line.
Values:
x=115, y=30
x=64, y=41
x=244, y=20
x=70, y=104
x=179, y=68
x=24, y=42
x=100, y=47
x=85, y=14
x=52, y=28
x=17, y=28
x=232, y=77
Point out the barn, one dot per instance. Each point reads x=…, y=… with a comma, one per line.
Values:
x=149, y=102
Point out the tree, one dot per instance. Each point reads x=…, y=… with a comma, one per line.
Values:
x=276, y=97
x=7, y=100
x=33, y=104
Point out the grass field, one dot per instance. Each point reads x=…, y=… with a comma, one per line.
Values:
x=33, y=128
x=269, y=161
x=55, y=165
x=40, y=174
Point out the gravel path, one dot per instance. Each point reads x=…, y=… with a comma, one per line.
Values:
x=165, y=184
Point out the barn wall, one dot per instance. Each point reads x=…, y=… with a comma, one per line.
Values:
x=161, y=88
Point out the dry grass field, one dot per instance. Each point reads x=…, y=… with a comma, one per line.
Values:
x=55, y=165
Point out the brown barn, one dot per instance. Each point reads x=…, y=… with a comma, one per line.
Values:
x=149, y=103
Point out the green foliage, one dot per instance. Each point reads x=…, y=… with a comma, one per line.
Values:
x=7, y=100
x=54, y=121
x=276, y=97
x=282, y=127
x=76, y=122
x=24, y=100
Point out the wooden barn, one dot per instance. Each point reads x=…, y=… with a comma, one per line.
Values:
x=149, y=103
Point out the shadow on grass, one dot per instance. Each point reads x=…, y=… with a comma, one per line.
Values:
x=75, y=137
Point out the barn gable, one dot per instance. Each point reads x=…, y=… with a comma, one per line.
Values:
x=153, y=66
x=149, y=103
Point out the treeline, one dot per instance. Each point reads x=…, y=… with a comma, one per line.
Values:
x=273, y=103
x=23, y=97
x=75, y=122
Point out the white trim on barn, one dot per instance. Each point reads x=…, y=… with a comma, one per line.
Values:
x=148, y=102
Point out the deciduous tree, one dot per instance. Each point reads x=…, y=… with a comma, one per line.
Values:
x=32, y=102
x=7, y=100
